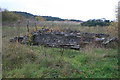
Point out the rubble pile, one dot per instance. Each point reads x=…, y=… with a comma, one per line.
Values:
x=72, y=39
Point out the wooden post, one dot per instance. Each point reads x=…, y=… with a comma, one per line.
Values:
x=62, y=51
x=28, y=26
x=18, y=29
x=35, y=25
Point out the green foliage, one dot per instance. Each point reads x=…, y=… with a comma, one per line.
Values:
x=9, y=16
x=39, y=18
x=97, y=22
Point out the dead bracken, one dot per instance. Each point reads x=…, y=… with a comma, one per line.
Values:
x=67, y=38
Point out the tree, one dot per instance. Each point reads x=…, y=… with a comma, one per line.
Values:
x=96, y=22
x=39, y=18
x=9, y=16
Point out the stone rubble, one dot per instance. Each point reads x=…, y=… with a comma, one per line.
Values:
x=72, y=39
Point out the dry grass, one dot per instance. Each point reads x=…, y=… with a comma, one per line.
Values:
x=37, y=61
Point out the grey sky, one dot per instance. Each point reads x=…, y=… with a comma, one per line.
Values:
x=66, y=9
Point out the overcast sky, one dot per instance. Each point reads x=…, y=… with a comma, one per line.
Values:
x=66, y=9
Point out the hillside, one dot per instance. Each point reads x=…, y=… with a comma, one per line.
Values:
x=24, y=14
x=47, y=18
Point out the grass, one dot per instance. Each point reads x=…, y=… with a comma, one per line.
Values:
x=50, y=64
x=22, y=61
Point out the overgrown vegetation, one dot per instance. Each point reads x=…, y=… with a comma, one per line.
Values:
x=9, y=16
x=40, y=62
x=22, y=61
x=96, y=22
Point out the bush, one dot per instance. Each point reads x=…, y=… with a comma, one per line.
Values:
x=97, y=22
x=9, y=16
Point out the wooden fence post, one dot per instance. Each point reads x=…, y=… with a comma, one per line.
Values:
x=19, y=27
x=28, y=26
x=35, y=25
